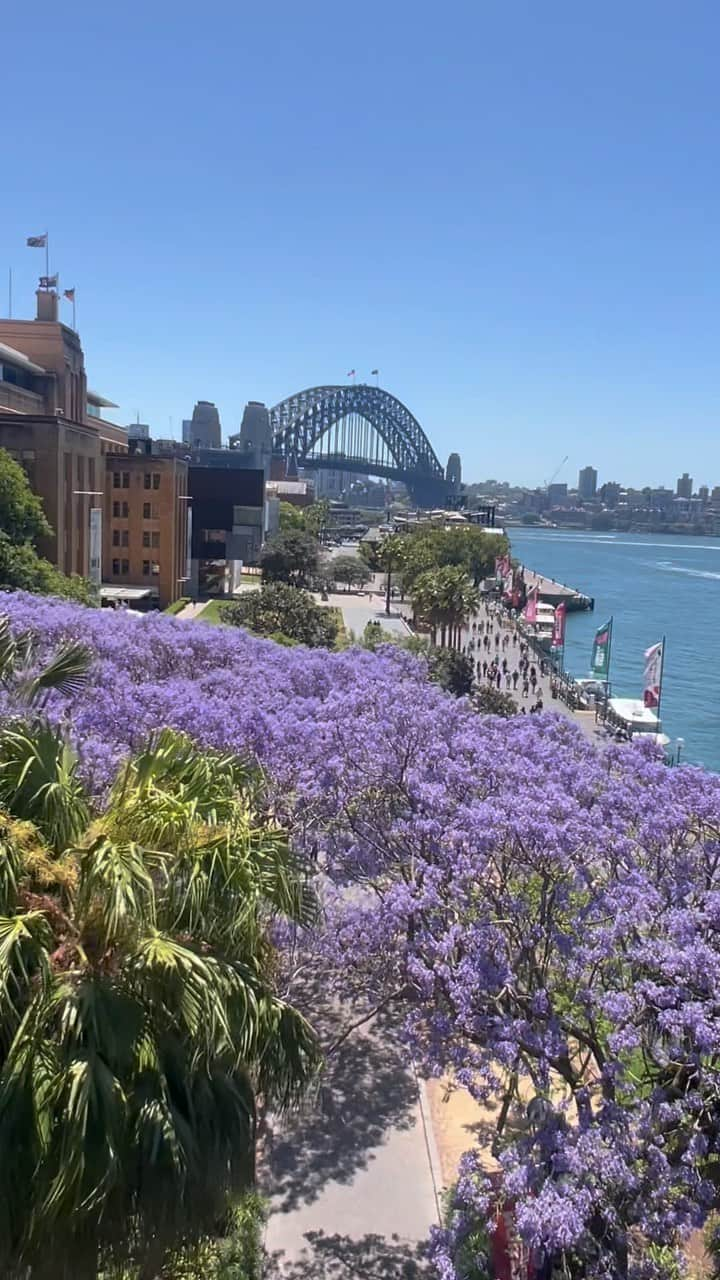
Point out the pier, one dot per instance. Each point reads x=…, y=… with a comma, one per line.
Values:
x=555, y=593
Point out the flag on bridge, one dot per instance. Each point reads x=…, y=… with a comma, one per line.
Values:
x=37, y=242
x=351, y=373
x=600, y=660
x=374, y=373
x=654, y=658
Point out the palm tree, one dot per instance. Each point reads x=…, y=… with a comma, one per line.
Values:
x=139, y=1022
x=443, y=599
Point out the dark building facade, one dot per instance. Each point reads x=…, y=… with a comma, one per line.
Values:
x=228, y=515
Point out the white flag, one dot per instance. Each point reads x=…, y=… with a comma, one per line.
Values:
x=653, y=674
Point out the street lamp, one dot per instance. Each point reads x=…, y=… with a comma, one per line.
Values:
x=679, y=744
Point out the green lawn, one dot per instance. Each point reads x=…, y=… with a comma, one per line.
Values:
x=213, y=612
x=177, y=605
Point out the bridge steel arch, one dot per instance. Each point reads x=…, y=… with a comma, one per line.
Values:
x=299, y=423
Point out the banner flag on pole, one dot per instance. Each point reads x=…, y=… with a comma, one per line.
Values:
x=558, y=635
x=69, y=294
x=48, y=282
x=530, y=612
x=653, y=674
x=351, y=374
x=374, y=373
x=601, y=651
x=37, y=242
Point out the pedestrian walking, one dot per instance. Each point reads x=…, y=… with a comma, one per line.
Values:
x=515, y=677
x=525, y=688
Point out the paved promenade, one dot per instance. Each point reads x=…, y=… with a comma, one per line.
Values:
x=351, y=1180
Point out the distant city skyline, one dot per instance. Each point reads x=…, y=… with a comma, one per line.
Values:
x=514, y=221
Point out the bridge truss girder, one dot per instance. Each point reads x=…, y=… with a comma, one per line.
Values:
x=300, y=423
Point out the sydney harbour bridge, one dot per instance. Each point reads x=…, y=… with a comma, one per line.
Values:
x=361, y=429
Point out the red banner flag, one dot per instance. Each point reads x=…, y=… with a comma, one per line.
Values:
x=558, y=635
x=653, y=675
x=530, y=614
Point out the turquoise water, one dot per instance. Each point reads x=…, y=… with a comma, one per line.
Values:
x=654, y=585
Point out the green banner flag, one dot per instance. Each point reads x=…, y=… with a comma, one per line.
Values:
x=600, y=661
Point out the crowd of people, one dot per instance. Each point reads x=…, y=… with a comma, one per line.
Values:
x=502, y=658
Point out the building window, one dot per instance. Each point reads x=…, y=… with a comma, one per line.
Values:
x=125, y=510
x=116, y=567
x=116, y=537
x=126, y=479
x=147, y=479
x=125, y=538
x=156, y=539
x=146, y=539
x=146, y=568
x=125, y=568
x=156, y=479
x=155, y=568
x=116, y=510
x=146, y=510
x=116, y=479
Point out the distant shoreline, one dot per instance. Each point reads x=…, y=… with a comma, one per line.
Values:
x=581, y=528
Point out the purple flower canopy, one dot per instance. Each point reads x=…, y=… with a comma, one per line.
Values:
x=546, y=909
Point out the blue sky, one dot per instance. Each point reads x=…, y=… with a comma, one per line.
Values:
x=510, y=209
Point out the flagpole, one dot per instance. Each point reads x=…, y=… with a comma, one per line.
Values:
x=9, y=293
x=47, y=254
x=74, y=324
x=662, y=672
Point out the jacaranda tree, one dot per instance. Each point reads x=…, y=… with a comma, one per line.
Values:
x=545, y=915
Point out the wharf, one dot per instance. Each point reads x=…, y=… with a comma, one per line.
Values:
x=555, y=593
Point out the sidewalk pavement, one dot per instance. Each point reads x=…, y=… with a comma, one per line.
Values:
x=352, y=1180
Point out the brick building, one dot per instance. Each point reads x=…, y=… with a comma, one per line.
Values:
x=53, y=425
x=145, y=524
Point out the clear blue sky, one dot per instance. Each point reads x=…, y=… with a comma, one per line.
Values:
x=511, y=209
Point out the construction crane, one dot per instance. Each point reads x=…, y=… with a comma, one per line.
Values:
x=557, y=471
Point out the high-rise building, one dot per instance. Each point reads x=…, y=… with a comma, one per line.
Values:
x=684, y=486
x=557, y=495
x=55, y=427
x=204, y=431
x=587, y=482
x=704, y=493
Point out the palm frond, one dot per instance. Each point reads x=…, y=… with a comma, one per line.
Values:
x=66, y=671
x=116, y=886
x=39, y=783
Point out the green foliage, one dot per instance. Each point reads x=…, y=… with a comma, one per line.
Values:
x=22, y=518
x=289, y=556
x=277, y=607
x=304, y=519
x=350, y=570
x=490, y=701
x=237, y=1255
x=22, y=523
x=453, y=671
x=138, y=1013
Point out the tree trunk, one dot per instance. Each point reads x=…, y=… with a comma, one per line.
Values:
x=387, y=586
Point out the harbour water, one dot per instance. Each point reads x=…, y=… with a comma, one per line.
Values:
x=653, y=585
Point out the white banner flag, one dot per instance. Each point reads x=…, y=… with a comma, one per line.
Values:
x=96, y=546
x=653, y=675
